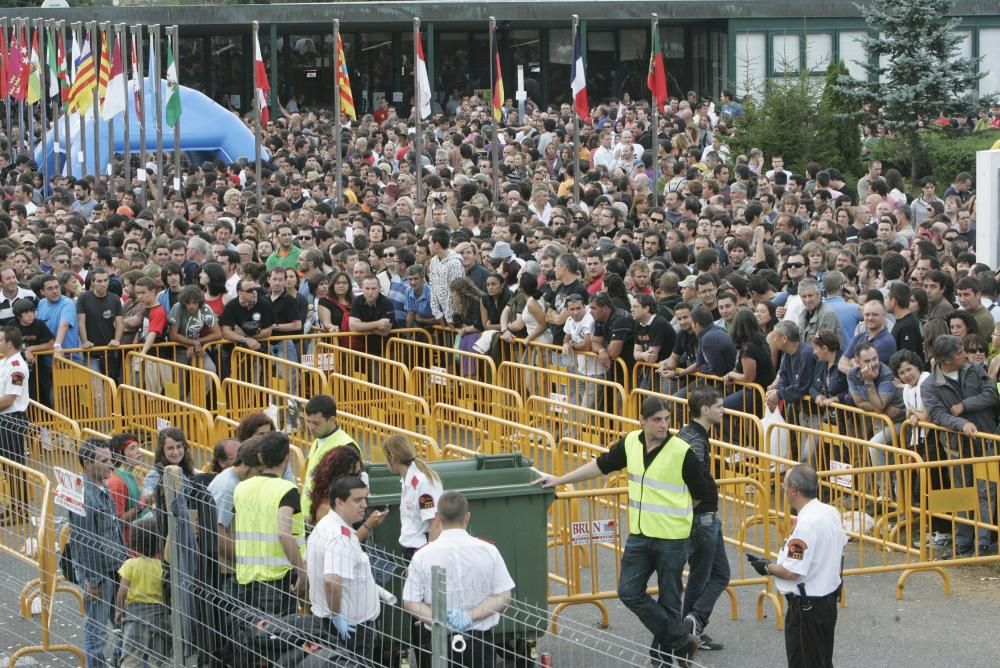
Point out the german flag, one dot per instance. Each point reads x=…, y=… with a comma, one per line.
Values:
x=498, y=95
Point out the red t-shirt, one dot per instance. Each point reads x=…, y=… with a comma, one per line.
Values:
x=155, y=321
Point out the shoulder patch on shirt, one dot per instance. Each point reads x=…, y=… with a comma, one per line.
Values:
x=489, y=542
x=345, y=531
x=414, y=482
x=426, y=501
x=15, y=363
x=796, y=549
x=17, y=378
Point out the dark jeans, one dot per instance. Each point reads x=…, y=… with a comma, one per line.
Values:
x=708, y=574
x=809, y=632
x=13, y=427
x=273, y=599
x=480, y=650
x=643, y=556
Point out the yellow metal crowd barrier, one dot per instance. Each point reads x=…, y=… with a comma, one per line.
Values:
x=565, y=419
x=380, y=403
x=489, y=435
x=258, y=367
x=562, y=386
x=438, y=387
x=444, y=359
x=177, y=380
x=369, y=435
x=145, y=414
x=286, y=410
x=52, y=440
x=84, y=395
x=363, y=366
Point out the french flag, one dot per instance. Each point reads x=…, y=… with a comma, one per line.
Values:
x=579, y=82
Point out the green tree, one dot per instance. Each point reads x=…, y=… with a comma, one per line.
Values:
x=914, y=71
x=837, y=135
x=780, y=119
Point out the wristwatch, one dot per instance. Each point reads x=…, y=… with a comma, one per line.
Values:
x=244, y=341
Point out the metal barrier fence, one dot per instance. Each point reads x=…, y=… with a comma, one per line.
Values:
x=749, y=397
x=146, y=414
x=260, y=368
x=442, y=359
x=436, y=387
x=381, y=404
x=287, y=411
x=177, y=380
x=369, y=435
x=363, y=366
x=566, y=420
x=84, y=395
x=488, y=435
x=52, y=440
x=562, y=386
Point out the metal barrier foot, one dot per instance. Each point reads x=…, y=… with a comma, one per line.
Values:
x=29, y=593
x=38, y=649
x=605, y=618
x=733, y=602
x=779, y=608
x=945, y=579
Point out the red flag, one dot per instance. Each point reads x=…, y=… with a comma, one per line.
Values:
x=656, y=80
x=15, y=65
x=260, y=82
x=498, y=93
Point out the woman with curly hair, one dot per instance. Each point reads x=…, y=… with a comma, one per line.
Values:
x=335, y=464
x=253, y=424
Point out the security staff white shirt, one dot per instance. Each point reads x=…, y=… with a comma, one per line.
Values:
x=417, y=507
x=14, y=380
x=474, y=569
x=334, y=549
x=813, y=551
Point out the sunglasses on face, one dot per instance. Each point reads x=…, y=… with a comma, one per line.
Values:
x=795, y=265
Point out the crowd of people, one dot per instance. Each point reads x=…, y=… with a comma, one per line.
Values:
x=666, y=253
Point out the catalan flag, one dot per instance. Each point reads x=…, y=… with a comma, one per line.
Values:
x=104, y=72
x=344, y=84
x=81, y=95
x=498, y=94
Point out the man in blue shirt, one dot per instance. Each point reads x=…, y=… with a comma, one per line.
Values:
x=875, y=333
x=418, y=299
x=716, y=352
x=59, y=315
x=796, y=371
x=848, y=313
x=398, y=287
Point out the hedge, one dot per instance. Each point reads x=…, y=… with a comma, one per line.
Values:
x=946, y=155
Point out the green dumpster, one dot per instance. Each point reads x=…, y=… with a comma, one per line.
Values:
x=506, y=509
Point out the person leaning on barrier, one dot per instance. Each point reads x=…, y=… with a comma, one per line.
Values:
x=665, y=481
x=14, y=398
x=807, y=572
x=479, y=586
x=321, y=419
x=97, y=547
x=269, y=533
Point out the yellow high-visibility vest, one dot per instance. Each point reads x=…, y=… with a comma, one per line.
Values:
x=259, y=556
x=659, y=503
x=317, y=451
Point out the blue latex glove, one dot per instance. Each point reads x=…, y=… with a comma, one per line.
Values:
x=344, y=628
x=459, y=620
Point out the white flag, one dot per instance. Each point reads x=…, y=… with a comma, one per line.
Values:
x=423, y=83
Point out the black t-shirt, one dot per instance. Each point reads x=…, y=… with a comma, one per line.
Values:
x=686, y=348
x=251, y=320
x=761, y=354
x=365, y=312
x=907, y=333
x=35, y=334
x=559, y=304
x=657, y=332
x=619, y=327
x=100, y=314
x=285, y=309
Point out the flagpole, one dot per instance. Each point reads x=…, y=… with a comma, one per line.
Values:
x=67, y=57
x=123, y=51
x=4, y=24
x=576, y=129
x=137, y=30
x=154, y=34
x=95, y=51
x=43, y=100
x=337, y=134
x=106, y=36
x=256, y=119
x=417, y=167
x=78, y=29
x=495, y=49
x=30, y=107
x=50, y=31
x=655, y=144
x=176, y=54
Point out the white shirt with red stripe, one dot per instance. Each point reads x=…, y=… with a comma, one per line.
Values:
x=14, y=380
x=417, y=507
x=334, y=549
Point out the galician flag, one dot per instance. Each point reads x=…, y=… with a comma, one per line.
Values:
x=423, y=83
x=656, y=80
x=260, y=83
x=578, y=81
x=34, y=77
x=116, y=94
x=173, y=88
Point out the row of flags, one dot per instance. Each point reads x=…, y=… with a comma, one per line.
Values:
x=72, y=81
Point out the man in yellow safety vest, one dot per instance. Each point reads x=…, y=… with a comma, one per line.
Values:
x=321, y=419
x=665, y=481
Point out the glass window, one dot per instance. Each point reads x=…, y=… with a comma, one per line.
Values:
x=525, y=48
x=560, y=59
x=785, y=53
x=852, y=53
x=751, y=54
x=191, y=56
x=964, y=40
x=374, y=66
x=634, y=45
x=453, y=63
x=227, y=70
x=303, y=60
x=990, y=62
x=819, y=52
x=672, y=41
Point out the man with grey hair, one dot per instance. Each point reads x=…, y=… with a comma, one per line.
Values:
x=198, y=251
x=848, y=313
x=796, y=370
x=961, y=396
x=540, y=204
x=807, y=571
x=418, y=298
x=815, y=314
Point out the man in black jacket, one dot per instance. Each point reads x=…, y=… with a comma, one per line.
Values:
x=708, y=572
x=962, y=397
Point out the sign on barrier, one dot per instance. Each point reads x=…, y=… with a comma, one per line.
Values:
x=596, y=531
x=69, y=491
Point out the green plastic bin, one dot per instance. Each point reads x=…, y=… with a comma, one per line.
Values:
x=506, y=509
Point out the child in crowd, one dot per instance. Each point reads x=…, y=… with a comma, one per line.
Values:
x=139, y=605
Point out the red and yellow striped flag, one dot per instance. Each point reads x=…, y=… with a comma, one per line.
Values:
x=104, y=73
x=344, y=84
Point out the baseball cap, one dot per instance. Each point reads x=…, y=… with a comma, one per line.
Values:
x=501, y=251
x=688, y=282
x=29, y=239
